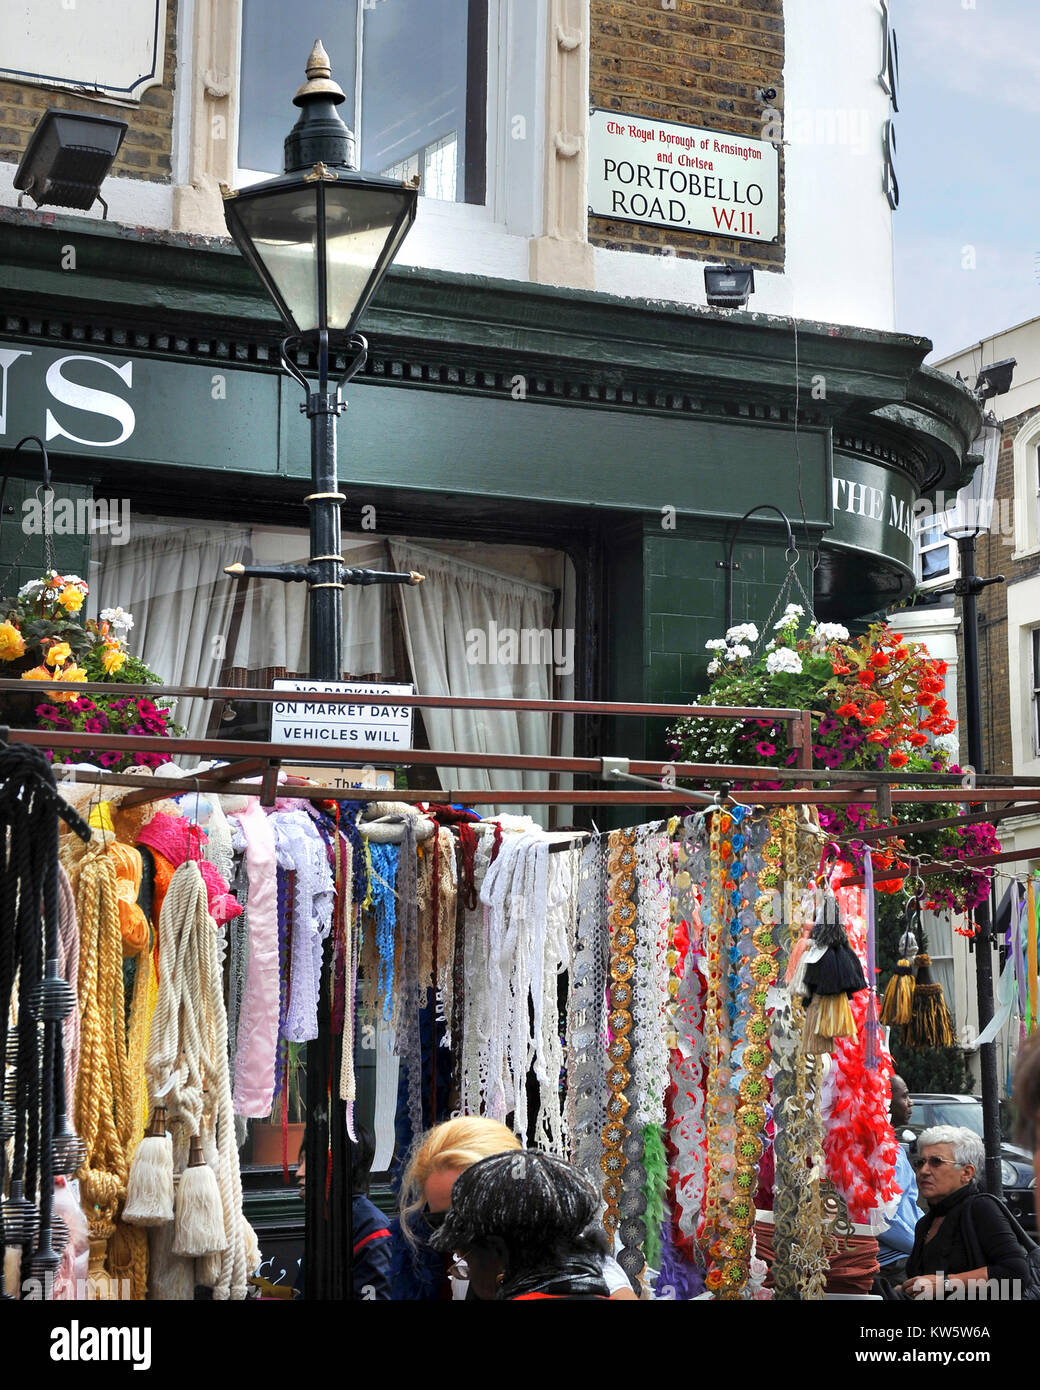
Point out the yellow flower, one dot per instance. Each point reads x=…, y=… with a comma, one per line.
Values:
x=12, y=643
x=38, y=673
x=58, y=654
x=71, y=599
x=70, y=673
x=113, y=660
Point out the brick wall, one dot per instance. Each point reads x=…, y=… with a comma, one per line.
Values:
x=697, y=63
x=147, y=148
x=993, y=556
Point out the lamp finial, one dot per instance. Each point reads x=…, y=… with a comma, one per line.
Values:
x=318, y=64
x=319, y=78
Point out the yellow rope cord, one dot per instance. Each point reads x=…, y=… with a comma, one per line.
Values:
x=108, y=1103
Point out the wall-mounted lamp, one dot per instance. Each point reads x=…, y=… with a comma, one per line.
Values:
x=995, y=380
x=727, y=286
x=68, y=158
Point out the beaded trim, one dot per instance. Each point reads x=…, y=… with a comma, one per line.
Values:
x=586, y=1019
x=621, y=917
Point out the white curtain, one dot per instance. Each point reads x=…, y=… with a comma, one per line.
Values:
x=440, y=615
x=173, y=582
x=274, y=628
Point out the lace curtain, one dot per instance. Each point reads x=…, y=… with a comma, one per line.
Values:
x=192, y=622
x=439, y=616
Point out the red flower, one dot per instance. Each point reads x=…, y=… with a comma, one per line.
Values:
x=865, y=678
x=897, y=759
x=878, y=736
x=880, y=660
x=876, y=707
x=839, y=668
x=918, y=740
x=924, y=700
x=849, y=710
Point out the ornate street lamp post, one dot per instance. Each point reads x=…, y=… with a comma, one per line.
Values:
x=321, y=237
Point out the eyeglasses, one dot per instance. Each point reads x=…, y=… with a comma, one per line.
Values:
x=933, y=1161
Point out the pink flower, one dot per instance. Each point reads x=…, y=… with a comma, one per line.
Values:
x=765, y=750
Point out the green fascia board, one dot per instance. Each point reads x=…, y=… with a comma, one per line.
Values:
x=189, y=282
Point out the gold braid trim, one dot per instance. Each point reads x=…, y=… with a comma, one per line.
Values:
x=621, y=917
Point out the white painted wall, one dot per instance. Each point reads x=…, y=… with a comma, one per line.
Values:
x=1021, y=342
x=135, y=202
x=838, y=223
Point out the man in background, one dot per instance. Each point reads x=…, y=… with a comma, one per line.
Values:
x=897, y=1240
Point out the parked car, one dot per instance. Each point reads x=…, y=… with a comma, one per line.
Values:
x=1016, y=1164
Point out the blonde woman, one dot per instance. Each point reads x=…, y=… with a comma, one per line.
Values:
x=441, y=1155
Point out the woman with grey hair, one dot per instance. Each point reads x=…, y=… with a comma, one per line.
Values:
x=966, y=1237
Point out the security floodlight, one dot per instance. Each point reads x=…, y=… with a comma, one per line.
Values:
x=995, y=380
x=68, y=158
x=728, y=287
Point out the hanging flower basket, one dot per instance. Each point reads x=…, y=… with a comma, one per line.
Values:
x=44, y=637
x=877, y=703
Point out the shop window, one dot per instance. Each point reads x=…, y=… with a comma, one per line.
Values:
x=448, y=636
x=415, y=77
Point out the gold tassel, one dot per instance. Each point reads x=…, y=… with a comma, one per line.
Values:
x=827, y=1017
x=929, y=1024
x=897, y=1005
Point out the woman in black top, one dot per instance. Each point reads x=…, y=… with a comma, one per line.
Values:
x=965, y=1238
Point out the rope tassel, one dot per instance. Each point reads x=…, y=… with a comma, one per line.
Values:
x=149, y=1188
x=899, y=995
x=929, y=1024
x=199, y=1226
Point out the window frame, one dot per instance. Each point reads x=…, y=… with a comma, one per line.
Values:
x=477, y=94
x=1026, y=468
x=951, y=573
x=1034, y=645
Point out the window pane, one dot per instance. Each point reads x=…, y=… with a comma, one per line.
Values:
x=276, y=41
x=935, y=563
x=424, y=73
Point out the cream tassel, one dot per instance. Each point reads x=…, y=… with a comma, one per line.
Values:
x=149, y=1188
x=200, y=1215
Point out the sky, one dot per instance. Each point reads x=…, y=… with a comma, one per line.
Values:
x=967, y=230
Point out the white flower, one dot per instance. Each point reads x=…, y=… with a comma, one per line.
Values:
x=31, y=589
x=118, y=617
x=792, y=613
x=714, y=666
x=948, y=743
x=738, y=653
x=784, y=660
x=743, y=632
x=770, y=644
x=715, y=644
x=825, y=633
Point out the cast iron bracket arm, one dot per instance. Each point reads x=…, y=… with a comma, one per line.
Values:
x=309, y=574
